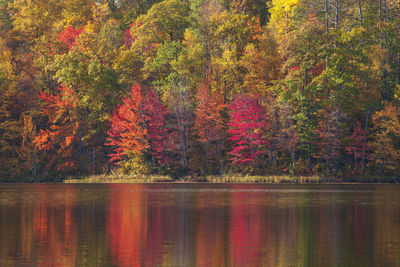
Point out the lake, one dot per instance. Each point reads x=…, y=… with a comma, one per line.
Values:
x=199, y=225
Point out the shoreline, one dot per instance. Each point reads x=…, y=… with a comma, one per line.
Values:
x=217, y=179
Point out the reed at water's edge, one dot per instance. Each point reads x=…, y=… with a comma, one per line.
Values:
x=231, y=178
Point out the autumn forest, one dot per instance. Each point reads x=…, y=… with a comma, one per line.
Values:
x=199, y=87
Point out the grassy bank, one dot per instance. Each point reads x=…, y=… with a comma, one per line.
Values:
x=189, y=179
x=227, y=179
x=119, y=179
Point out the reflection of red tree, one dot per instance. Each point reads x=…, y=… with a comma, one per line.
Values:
x=135, y=229
x=40, y=219
x=246, y=231
x=126, y=225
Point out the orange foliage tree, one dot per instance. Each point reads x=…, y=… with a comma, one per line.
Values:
x=127, y=133
x=61, y=136
x=209, y=123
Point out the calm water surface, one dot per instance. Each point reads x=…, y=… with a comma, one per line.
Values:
x=199, y=225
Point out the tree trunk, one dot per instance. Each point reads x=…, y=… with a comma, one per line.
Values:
x=293, y=158
x=361, y=20
x=363, y=147
x=225, y=93
x=309, y=158
x=34, y=157
x=355, y=162
x=287, y=22
x=206, y=158
x=81, y=163
x=181, y=132
x=328, y=145
x=327, y=28
x=94, y=158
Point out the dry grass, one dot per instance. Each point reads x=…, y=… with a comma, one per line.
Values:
x=211, y=179
x=263, y=179
x=119, y=179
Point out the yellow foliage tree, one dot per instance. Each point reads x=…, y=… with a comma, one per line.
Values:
x=281, y=13
x=386, y=142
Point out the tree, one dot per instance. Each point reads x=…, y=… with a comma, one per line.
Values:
x=33, y=19
x=281, y=15
x=287, y=136
x=386, y=126
x=247, y=126
x=68, y=36
x=327, y=138
x=262, y=64
x=154, y=114
x=164, y=21
x=27, y=150
x=127, y=134
x=138, y=129
x=88, y=68
x=209, y=123
x=62, y=137
x=358, y=143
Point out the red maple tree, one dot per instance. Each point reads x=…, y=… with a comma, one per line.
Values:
x=154, y=118
x=68, y=36
x=247, y=127
x=138, y=126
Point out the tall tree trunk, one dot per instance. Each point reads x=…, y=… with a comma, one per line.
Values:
x=327, y=28
x=34, y=156
x=309, y=158
x=328, y=146
x=363, y=147
x=293, y=157
x=206, y=158
x=94, y=158
x=81, y=163
x=225, y=93
x=384, y=19
x=181, y=117
x=181, y=130
x=339, y=88
x=361, y=20
x=287, y=22
x=355, y=162
x=221, y=164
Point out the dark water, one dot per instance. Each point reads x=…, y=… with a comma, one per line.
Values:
x=199, y=225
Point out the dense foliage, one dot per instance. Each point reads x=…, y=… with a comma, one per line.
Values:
x=199, y=87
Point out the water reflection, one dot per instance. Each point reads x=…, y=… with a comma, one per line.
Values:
x=199, y=225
